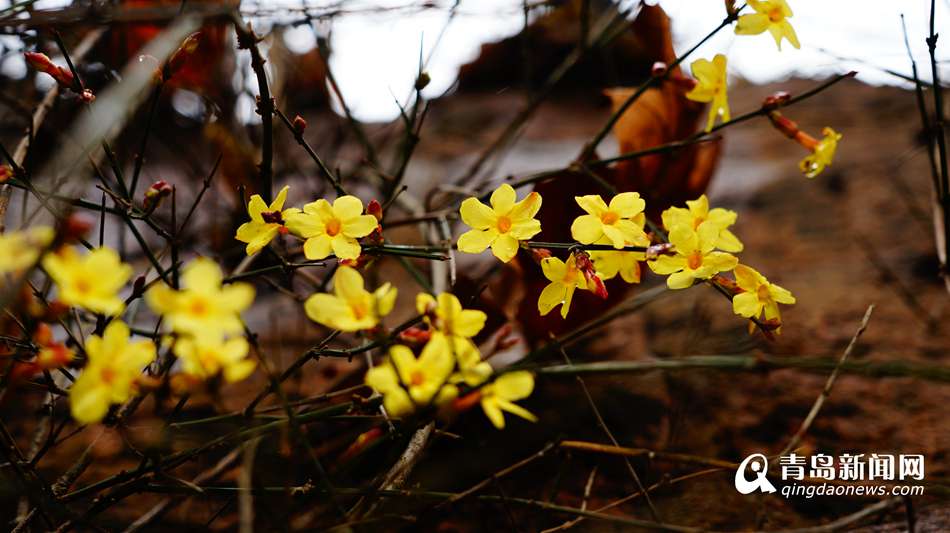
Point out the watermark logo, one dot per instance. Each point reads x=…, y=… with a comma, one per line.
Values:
x=759, y=465
x=826, y=475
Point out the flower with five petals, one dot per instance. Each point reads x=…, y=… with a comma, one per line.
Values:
x=351, y=307
x=759, y=295
x=711, y=87
x=771, y=15
x=621, y=221
x=407, y=382
x=499, y=396
x=697, y=212
x=203, y=358
x=91, y=281
x=695, y=257
x=565, y=278
x=501, y=226
x=267, y=221
x=332, y=228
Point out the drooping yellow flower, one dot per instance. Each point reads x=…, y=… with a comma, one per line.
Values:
x=266, y=221
x=823, y=154
x=350, y=307
x=564, y=278
x=771, y=15
x=711, y=87
x=698, y=212
x=621, y=221
x=91, y=281
x=445, y=314
x=205, y=357
x=407, y=383
x=203, y=307
x=471, y=369
x=20, y=250
x=332, y=228
x=501, y=226
x=608, y=264
x=500, y=395
x=109, y=377
x=695, y=258
x=760, y=296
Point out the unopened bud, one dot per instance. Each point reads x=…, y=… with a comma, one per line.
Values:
x=42, y=63
x=6, y=172
x=539, y=254
x=54, y=355
x=300, y=125
x=182, y=54
x=776, y=99
x=374, y=208
x=73, y=229
x=422, y=81
x=43, y=334
x=731, y=8
x=154, y=194
x=415, y=336
x=138, y=286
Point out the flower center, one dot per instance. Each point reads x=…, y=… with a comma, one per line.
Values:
x=199, y=307
x=695, y=260
x=360, y=310
x=333, y=227
x=763, y=293
x=609, y=218
x=775, y=14
x=83, y=286
x=107, y=375
x=272, y=217
x=417, y=378
x=504, y=224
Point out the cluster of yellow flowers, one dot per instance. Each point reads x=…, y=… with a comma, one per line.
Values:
x=710, y=84
x=449, y=368
x=702, y=247
x=325, y=228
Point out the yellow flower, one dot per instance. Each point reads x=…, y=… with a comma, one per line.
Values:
x=113, y=366
x=91, y=281
x=204, y=358
x=449, y=317
x=823, y=155
x=266, y=221
x=406, y=382
x=759, y=296
x=621, y=221
x=769, y=15
x=203, y=307
x=499, y=396
x=564, y=278
x=695, y=258
x=697, y=212
x=609, y=264
x=332, y=229
x=711, y=87
x=350, y=307
x=500, y=226
x=19, y=250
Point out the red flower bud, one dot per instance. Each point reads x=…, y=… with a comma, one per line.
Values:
x=375, y=209
x=776, y=99
x=73, y=229
x=154, y=194
x=6, y=172
x=42, y=63
x=361, y=442
x=300, y=125
x=466, y=402
x=414, y=335
x=138, y=286
x=43, y=335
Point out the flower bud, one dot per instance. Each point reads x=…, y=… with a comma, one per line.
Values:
x=43, y=334
x=586, y=266
x=422, y=81
x=42, y=63
x=776, y=99
x=300, y=125
x=6, y=172
x=74, y=228
x=415, y=336
x=138, y=286
x=539, y=254
x=181, y=55
x=54, y=355
x=154, y=194
x=375, y=209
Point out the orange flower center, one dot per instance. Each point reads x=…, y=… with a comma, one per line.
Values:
x=504, y=224
x=697, y=221
x=775, y=14
x=417, y=378
x=695, y=260
x=107, y=375
x=360, y=310
x=333, y=227
x=763, y=293
x=83, y=286
x=199, y=307
x=609, y=218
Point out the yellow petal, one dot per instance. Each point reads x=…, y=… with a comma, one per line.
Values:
x=525, y=229
x=680, y=280
x=236, y=297
x=475, y=241
x=345, y=247
x=747, y=278
x=514, y=386
x=347, y=207
x=627, y=204
x=553, y=268
x=348, y=284
x=326, y=309
x=404, y=362
x=516, y=410
x=278, y=203
x=382, y=378
x=255, y=207
x=476, y=214
x=493, y=412
x=684, y=239
x=551, y=297
x=385, y=299
x=319, y=247
x=753, y=24
x=593, y=204
x=202, y=274
x=527, y=208
x=503, y=199
x=505, y=247
x=360, y=226
x=469, y=322
x=305, y=225
x=88, y=400
x=587, y=228
x=746, y=304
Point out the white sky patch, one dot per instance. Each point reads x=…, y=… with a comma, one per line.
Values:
x=375, y=55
